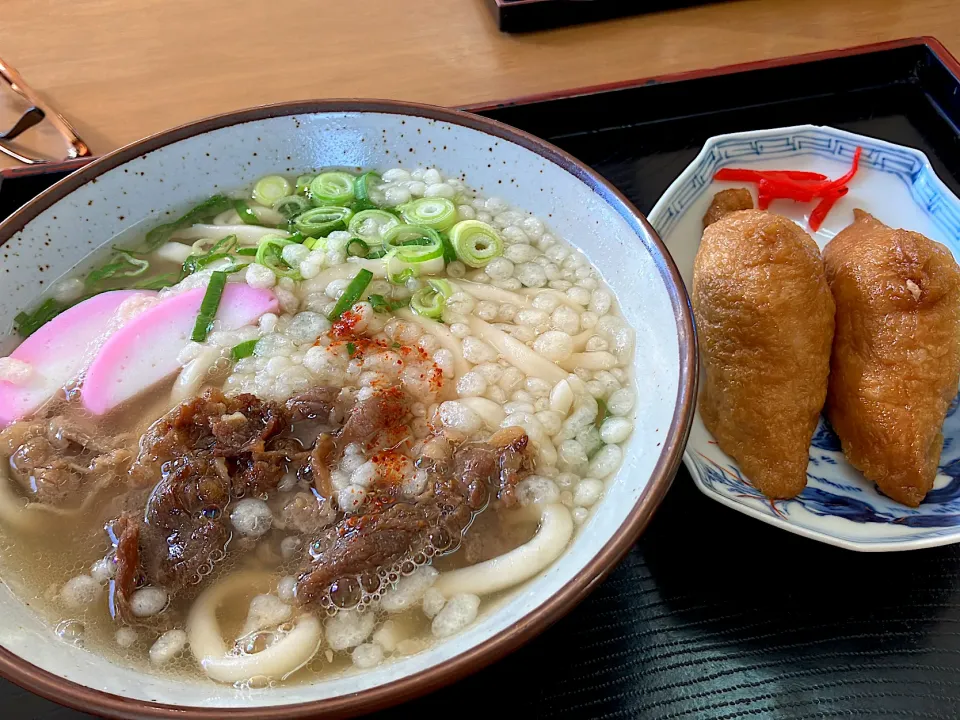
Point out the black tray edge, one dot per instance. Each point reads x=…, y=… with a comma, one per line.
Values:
x=930, y=42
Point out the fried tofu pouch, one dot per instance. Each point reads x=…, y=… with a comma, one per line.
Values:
x=764, y=317
x=896, y=353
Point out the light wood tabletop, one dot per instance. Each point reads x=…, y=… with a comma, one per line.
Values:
x=119, y=71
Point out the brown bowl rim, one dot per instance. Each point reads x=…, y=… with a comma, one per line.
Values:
x=81, y=697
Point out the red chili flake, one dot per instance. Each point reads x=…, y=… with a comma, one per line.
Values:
x=798, y=185
x=390, y=466
x=436, y=379
x=344, y=327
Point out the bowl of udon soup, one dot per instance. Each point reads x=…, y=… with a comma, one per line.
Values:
x=311, y=408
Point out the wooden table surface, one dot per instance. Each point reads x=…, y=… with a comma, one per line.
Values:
x=121, y=70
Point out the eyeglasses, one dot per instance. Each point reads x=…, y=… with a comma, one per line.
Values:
x=38, y=112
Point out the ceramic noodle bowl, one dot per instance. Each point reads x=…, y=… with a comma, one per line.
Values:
x=151, y=181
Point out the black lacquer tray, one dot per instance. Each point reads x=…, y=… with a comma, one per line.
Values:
x=714, y=614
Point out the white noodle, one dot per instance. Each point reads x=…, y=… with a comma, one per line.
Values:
x=600, y=360
x=397, y=266
x=529, y=362
x=265, y=215
x=337, y=272
x=580, y=341
x=490, y=411
x=562, y=297
x=286, y=656
x=191, y=377
x=494, y=294
x=247, y=235
x=512, y=568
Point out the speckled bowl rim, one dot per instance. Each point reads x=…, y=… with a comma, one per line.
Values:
x=87, y=699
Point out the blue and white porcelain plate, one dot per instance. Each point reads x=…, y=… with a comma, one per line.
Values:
x=898, y=186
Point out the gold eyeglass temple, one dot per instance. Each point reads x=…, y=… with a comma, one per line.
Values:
x=39, y=110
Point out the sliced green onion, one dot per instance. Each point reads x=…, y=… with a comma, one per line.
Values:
x=204, y=211
x=449, y=254
x=381, y=305
x=372, y=224
x=367, y=191
x=248, y=251
x=122, y=264
x=291, y=205
x=270, y=254
x=248, y=216
x=351, y=294
x=332, y=188
x=351, y=349
x=413, y=243
x=322, y=221
x=270, y=189
x=303, y=184
x=430, y=301
x=220, y=250
x=209, y=306
x=401, y=277
x=475, y=243
x=357, y=248
x=243, y=350
x=27, y=323
x=436, y=212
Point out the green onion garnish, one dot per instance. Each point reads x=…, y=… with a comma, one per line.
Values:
x=209, y=306
x=351, y=294
x=436, y=213
x=475, y=243
x=122, y=264
x=220, y=251
x=430, y=301
x=270, y=189
x=381, y=305
x=291, y=205
x=27, y=323
x=449, y=254
x=322, y=221
x=248, y=216
x=249, y=252
x=367, y=193
x=332, y=188
x=302, y=185
x=413, y=243
x=401, y=277
x=371, y=224
x=243, y=350
x=270, y=254
x=204, y=211
x=351, y=349
x=357, y=248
